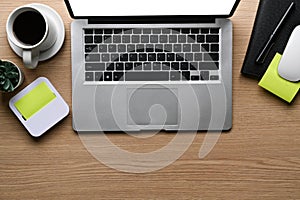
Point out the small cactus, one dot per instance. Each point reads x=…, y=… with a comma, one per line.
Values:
x=9, y=76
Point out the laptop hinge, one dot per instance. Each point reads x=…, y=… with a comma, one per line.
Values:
x=151, y=20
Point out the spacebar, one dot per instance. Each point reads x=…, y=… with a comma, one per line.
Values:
x=146, y=76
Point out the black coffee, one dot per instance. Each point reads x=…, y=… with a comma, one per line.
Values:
x=29, y=27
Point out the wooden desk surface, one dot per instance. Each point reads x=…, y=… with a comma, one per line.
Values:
x=259, y=158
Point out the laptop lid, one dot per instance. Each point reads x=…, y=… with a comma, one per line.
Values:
x=136, y=11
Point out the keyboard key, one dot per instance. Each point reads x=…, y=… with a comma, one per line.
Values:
x=193, y=66
x=145, y=38
x=195, y=78
x=172, y=38
x=89, y=76
x=208, y=66
x=112, y=48
x=151, y=57
x=184, y=66
x=214, y=30
x=177, y=48
x=187, y=48
x=146, y=31
x=98, y=39
x=108, y=31
x=204, y=75
x=214, y=47
x=198, y=56
x=138, y=66
x=127, y=31
x=170, y=57
x=175, y=65
x=133, y=57
x=99, y=76
x=196, y=47
x=205, y=47
x=185, y=31
x=156, y=31
x=191, y=39
x=128, y=66
x=163, y=38
x=140, y=48
x=214, y=77
x=195, y=31
x=168, y=48
x=107, y=76
x=147, y=66
x=161, y=57
x=154, y=38
x=130, y=48
x=114, y=57
x=94, y=66
x=125, y=39
x=200, y=38
x=110, y=67
x=179, y=57
x=159, y=48
x=204, y=30
x=149, y=48
x=186, y=75
x=142, y=57
x=147, y=76
x=135, y=39
x=98, y=31
x=92, y=57
x=91, y=48
x=120, y=66
x=117, y=31
x=107, y=39
x=88, y=31
x=189, y=57
x=175, y=76
x=102, y=48
x=118, y=76
x=117, y=39
x=124, y=57
x=166, y=66
x=104, y=57
x=137, y=31
x=121, y=48
x=175, y=31
x=181, y=39
x=88, y=39
x=166, y=31
x=212, y=38
x=211, y=57
x=156, y=66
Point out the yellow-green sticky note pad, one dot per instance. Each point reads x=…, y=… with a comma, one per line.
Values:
x=272, y=82
x=35, y=100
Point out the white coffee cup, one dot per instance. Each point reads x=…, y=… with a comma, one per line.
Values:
x=31, y=30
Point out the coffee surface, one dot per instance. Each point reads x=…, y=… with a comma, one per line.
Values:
x=29, y=27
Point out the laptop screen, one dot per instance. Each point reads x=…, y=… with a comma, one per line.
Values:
x=109, y=8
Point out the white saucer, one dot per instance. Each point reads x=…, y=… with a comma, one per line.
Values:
x=60, y=29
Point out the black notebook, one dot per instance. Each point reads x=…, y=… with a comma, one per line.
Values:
x=268, y=16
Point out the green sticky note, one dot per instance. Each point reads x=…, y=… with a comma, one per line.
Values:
x=272, y=82
x=35, y=100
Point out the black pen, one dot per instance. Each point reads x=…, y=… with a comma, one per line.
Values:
x=265, y=51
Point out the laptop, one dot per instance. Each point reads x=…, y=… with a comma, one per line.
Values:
x=156, y=65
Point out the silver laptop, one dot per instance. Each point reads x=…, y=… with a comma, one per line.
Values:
x=155, y=65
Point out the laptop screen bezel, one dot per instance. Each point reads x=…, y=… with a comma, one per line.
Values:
x=156, y=18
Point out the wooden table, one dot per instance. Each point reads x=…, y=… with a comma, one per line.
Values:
x=258, y=158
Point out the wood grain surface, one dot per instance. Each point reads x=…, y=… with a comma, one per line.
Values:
x=258, y=159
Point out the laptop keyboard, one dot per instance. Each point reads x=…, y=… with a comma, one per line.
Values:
x=183, y=54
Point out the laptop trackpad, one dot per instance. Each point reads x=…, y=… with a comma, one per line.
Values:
x=152, y=106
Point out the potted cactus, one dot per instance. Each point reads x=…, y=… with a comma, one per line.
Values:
x=10, y=76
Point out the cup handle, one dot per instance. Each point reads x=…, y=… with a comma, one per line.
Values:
x=31, y=58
